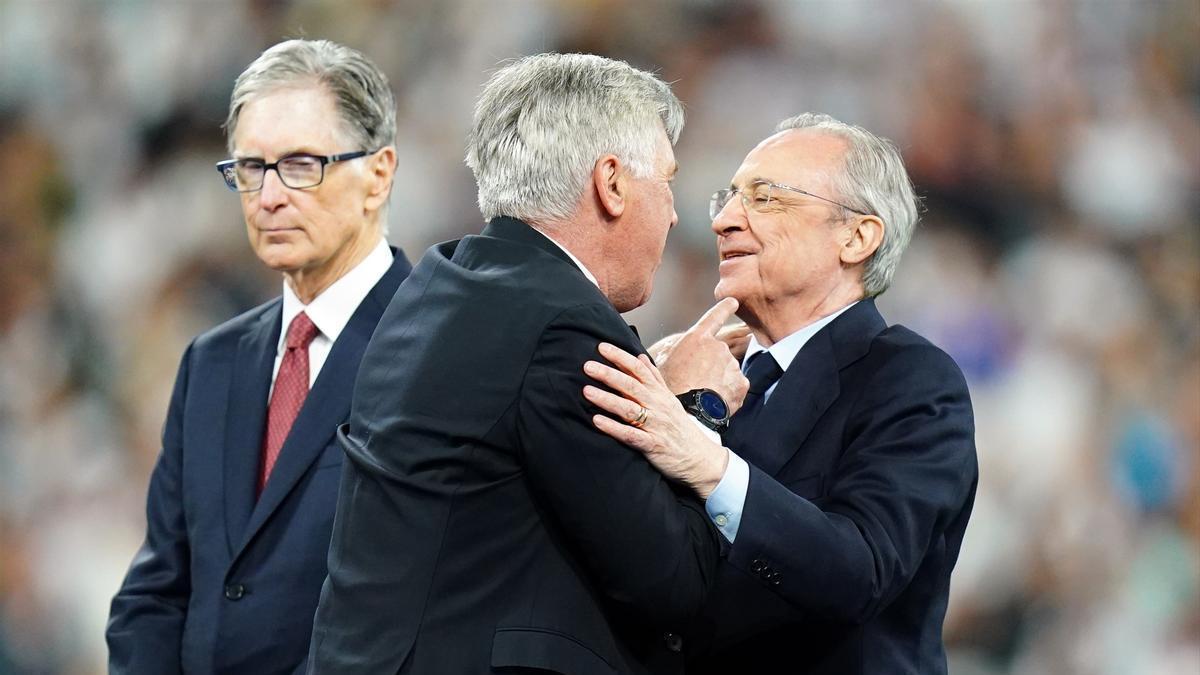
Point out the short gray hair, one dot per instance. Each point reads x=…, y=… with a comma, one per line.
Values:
x=359, y=88
x=872, y=180
x=543, y=121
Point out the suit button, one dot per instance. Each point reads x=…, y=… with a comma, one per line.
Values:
x=774, y=578
x=673, y=642
x=758, y=566
x=235, y=591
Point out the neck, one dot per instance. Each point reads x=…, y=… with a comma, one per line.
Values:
x=774, y=319
x=587, y=235
x=308, y=283
x=580, y=245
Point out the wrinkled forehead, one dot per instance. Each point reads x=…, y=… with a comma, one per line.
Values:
x=805, y=158
x=291, y=118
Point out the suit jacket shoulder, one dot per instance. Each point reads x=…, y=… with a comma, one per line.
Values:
x=227, y=333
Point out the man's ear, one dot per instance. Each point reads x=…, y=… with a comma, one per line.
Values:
x=864, y=239
x=609, y=181
x=381, y=170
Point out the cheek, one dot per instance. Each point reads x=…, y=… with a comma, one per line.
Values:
x=249, y=210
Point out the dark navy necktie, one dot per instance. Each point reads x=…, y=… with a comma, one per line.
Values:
x=763, y=371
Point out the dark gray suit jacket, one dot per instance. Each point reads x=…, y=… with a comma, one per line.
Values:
x=484, y=524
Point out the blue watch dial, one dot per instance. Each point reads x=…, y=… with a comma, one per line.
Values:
x=712, y=405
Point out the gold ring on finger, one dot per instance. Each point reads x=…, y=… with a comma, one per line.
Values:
x=640, y=420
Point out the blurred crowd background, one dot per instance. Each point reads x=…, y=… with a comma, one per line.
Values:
x=1056, y=145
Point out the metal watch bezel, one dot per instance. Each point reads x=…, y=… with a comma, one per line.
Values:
x=691, y=403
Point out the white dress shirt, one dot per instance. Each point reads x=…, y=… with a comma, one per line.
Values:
x=331, y=310
x=726, y=502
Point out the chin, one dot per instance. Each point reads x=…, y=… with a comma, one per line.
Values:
x=628, y=305
x=279, y=261
x=725, y=290
x=630, y=301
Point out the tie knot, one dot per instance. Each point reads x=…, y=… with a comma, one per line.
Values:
x=762, y=370
x=301, y=332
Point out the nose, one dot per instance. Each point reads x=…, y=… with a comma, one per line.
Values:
x=274, y=194
x=732, y=217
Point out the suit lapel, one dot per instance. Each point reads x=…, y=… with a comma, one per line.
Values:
x=327, y=404
x=245, y=419
x=808, y=387
x=804, y=393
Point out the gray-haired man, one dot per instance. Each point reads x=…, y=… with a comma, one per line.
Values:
x=851, y=469
x=484, y=525
x=241, y=502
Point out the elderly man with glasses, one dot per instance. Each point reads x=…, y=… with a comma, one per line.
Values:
x=844, y=484
x=241, y=501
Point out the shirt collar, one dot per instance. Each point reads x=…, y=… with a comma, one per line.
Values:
x=582, y=268
x=785, y=351
x=331, y=310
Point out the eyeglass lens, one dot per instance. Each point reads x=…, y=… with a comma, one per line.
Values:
x=295, y=172
x=755, y=197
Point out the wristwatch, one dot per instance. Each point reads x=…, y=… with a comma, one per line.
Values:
x=707, y=406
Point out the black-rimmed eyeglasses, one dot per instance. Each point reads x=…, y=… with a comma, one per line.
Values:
x=759, y=197
x=296, y=171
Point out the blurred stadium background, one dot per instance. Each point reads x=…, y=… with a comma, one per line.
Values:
x=1056, y=144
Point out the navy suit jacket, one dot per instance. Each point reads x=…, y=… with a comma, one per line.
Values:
x=225, y=583
x=484, y=524
x=862, y=478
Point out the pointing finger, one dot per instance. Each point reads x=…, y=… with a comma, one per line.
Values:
x=716, y=316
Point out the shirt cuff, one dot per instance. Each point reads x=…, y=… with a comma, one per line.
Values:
x=726, y=502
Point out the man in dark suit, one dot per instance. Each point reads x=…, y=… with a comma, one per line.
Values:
x=241, y=501
x=851, y=468
x=483, y=524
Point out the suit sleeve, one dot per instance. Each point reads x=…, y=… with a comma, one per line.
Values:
x=907, y=471
x=647, y=544
x=145, y=625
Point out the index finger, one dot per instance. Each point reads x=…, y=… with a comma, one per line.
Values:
x=716, y=316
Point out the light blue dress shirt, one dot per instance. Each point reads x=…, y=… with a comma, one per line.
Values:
x=726, y=502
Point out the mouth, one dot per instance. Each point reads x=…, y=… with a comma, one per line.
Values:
x=733, y=255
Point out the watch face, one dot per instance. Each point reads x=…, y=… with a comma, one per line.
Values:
x=712, y=405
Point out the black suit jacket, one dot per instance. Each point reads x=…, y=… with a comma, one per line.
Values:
x=224, y=583
x=484, y=524
x=862, y=477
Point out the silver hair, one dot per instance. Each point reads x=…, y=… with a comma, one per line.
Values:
x=359, y=88
x=872, y=180
x=543, y=121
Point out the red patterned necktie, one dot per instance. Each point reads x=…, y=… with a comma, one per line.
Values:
x=291, y=388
